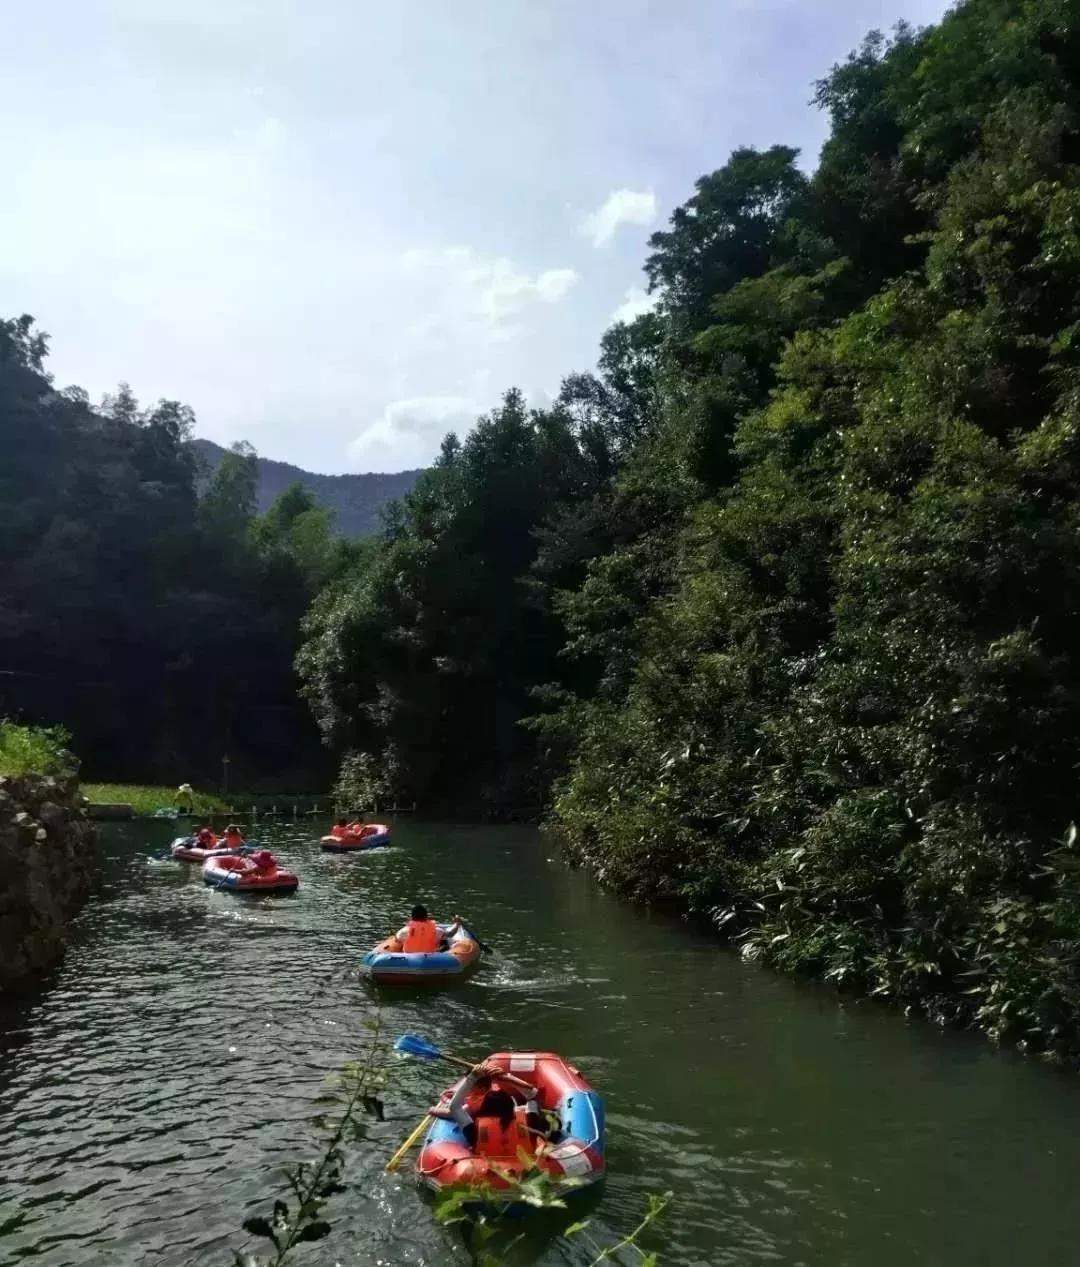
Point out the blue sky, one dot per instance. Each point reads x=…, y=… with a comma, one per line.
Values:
x=338, y=229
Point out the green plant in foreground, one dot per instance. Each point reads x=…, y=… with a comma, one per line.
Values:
x=313, y=1183
x=484, y=1231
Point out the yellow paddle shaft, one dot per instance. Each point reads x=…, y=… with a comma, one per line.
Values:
x=399, y=1156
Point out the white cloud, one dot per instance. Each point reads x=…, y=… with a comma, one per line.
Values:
x=409, y=432
x=267, y=136
x=482, y=288
x=622, y=206
x=636, y=303
x=555, y=283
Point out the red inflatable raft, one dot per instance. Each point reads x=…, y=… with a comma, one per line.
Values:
x=574, y=1148
x=370, y=836
x=184, y=849
x=246, y=875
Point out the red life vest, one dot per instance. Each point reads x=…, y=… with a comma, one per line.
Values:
x=421, y=937
x=337, y=831
x=503, y=1142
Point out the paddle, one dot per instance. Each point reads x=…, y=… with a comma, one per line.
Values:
x=399, y=1156
x=414, y=1045
x=167, y=856
x=484, y=947
x=224, y=879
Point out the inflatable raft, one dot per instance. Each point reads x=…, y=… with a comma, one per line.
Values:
x=370, y=836
x=390, y=965
x=240, y=875
x=184, y=849
x=573, y=1149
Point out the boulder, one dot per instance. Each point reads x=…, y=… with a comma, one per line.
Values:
x=48, y=862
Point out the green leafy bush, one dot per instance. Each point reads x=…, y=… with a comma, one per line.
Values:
x=35, y=750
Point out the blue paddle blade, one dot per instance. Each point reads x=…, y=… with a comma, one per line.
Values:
x=413, y=1045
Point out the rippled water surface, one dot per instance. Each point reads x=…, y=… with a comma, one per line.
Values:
x=150, y=1095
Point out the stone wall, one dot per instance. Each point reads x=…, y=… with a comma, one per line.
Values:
x=48, y=860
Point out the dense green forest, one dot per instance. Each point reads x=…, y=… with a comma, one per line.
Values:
x=774, y=614
x=778, y=609
x=159, y=626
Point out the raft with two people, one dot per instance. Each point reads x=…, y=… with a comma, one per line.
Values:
x=205, y=843
x=424, y=953
x=258, y=873
x=350, y=837
x=515, y=1113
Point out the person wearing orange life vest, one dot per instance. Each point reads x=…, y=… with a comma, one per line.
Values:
x=234, y=837
x=421, y=935
x=500, y=1128
x=340, y=829
x=263, y=861
x=206, y=839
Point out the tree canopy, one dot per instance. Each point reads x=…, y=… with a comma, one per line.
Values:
x=159, y=626
x=783, y=596
x=774, y=612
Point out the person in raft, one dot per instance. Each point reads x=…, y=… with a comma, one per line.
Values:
x=500, y=1127
x=422, y=936
x=206, y=839
x=340, y=829
x=262, y=861
x=233, y=837
x=185, y=799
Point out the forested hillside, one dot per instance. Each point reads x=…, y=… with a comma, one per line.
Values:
x=159, y=626
x=355, y=500
x=784, y=598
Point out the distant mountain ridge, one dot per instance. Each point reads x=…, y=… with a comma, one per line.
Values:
x=354, y=499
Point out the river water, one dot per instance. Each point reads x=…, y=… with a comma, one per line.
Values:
x=150, y=1096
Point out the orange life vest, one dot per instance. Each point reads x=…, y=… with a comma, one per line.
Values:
x=503, y=1142
x=421, y=937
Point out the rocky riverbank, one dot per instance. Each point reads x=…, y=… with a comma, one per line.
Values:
x=47, y=866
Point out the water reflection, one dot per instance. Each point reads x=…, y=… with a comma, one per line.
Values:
x=150, y=1096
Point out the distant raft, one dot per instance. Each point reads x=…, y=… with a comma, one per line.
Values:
x=389, y=964
x=185, y=849
x=242, y=875
x=573, y=1150
x=370, y=836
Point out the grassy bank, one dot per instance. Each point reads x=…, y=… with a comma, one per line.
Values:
x=145, y=798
